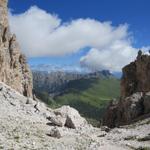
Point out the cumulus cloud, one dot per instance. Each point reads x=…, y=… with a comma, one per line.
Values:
x=113, y=58
x=43, y=34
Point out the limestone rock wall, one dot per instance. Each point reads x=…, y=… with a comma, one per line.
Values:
x=14, y=70
x=135, y=94
x=136, y=76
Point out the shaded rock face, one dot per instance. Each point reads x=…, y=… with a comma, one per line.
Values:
x=135, y=96
x=136, y=76
x=13, y=67
x=125, y=110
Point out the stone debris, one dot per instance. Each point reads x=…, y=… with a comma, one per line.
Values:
x=23, y=128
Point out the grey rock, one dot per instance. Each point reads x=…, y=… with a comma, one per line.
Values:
x=55, y=132
x=57, y=120
x=71, y=117
x=135, y=97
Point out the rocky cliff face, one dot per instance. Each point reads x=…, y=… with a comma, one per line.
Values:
x=135, y=96
x=136, y=76
x=13, y=67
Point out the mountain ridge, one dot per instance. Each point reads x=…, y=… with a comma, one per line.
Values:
x=55, y=83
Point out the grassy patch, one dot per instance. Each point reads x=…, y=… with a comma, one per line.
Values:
x=90, y=100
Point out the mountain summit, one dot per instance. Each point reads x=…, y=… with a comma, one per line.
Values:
x=14, y=70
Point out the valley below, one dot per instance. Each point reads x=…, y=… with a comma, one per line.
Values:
x=89, y=93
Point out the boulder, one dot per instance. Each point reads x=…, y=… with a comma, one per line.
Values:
x=55, y=132
x=67, y=116
x=71, y=116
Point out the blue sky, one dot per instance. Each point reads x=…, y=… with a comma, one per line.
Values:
x=72, y=59
x=135, y=13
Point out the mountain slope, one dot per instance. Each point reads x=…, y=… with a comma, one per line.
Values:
x=89, y=95
x=22, y=128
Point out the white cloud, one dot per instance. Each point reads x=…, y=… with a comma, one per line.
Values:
x=43, y=34
x=112, y=58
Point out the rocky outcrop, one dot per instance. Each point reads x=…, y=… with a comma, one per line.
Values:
x=128, y=110
x=135, y=96
x=136, y=76
x=14, y=70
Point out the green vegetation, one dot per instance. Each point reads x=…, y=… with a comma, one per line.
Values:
x=89, y=96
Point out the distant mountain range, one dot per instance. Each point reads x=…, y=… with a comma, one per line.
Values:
x=89, y=93
x=67, y=68
x=56, y=82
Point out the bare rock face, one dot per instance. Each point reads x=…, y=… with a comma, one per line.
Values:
x=136, y=76
x=13, y=67
x=126, y=110
x=135, y=96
